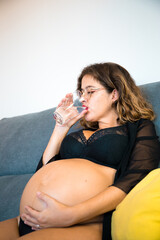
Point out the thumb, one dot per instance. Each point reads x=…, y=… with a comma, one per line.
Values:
x=81, y=114
x=44, y=197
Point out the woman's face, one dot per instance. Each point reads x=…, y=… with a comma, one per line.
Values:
x=99, y=103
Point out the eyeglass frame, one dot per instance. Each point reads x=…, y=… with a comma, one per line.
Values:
x=83, y=92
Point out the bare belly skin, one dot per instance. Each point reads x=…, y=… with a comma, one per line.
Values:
x=70, y=181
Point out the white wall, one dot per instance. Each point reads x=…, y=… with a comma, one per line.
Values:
x=44, y=44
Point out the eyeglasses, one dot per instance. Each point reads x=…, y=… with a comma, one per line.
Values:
x=88, y=92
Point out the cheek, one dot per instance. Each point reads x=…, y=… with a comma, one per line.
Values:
x=99, y=105
x=96, y=101
x=96, y=109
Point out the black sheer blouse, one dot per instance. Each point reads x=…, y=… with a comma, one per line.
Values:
x=141, y=156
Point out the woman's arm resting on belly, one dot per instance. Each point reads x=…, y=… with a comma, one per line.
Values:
x=98, y=205
x=60, y=215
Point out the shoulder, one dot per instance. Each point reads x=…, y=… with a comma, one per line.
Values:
x=142, y=127
x=141, y=123
x=146, y=128
x=146, y=124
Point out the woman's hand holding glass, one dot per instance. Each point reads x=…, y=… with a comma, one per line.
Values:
x=69, y=110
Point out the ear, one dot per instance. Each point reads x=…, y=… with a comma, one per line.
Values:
x=115, y=95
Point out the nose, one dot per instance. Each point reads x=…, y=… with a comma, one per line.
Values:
x=82, y=99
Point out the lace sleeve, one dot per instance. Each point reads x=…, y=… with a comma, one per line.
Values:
x=144, y=157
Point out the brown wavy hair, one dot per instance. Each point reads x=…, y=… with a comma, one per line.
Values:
x=131, y=105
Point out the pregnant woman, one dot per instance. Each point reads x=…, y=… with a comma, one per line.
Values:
x=83, y=176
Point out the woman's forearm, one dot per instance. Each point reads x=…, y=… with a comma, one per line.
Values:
x=54, y=143
x=98, y=205
x=59, y=132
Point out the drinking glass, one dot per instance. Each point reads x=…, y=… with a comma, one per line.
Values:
x=70, y=108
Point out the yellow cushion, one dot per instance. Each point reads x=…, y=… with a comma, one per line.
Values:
x=137, y=217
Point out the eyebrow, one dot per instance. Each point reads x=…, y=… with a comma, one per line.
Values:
x=90, y=86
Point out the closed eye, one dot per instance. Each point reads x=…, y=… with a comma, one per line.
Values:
x=90, y=92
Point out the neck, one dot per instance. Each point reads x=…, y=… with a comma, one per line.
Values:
x=109, y=122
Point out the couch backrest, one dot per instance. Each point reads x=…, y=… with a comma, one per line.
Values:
x=152, y=92
x=24, y=138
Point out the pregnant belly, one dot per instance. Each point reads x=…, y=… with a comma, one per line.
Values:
x=69, y=181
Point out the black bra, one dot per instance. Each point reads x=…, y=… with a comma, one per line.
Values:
x=105, y=146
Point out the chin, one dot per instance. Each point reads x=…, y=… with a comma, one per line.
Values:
x=90, y=119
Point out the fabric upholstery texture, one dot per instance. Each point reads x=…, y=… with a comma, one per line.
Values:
x=151, y=92
x=23, y=140
x=11, y=188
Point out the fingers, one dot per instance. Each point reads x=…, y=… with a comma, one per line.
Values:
x=44, y=197
x=34, y=218
x=30, y=215
x=69, y=98
x=62, y=103
x=75, y=118
x=37, y=227
x=80, y=115
x=31, y=218
x=67, y=101
x=69, y=112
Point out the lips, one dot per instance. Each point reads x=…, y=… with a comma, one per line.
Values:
x=86, y=108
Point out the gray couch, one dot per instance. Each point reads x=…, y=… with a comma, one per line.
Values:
x=22, y=142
